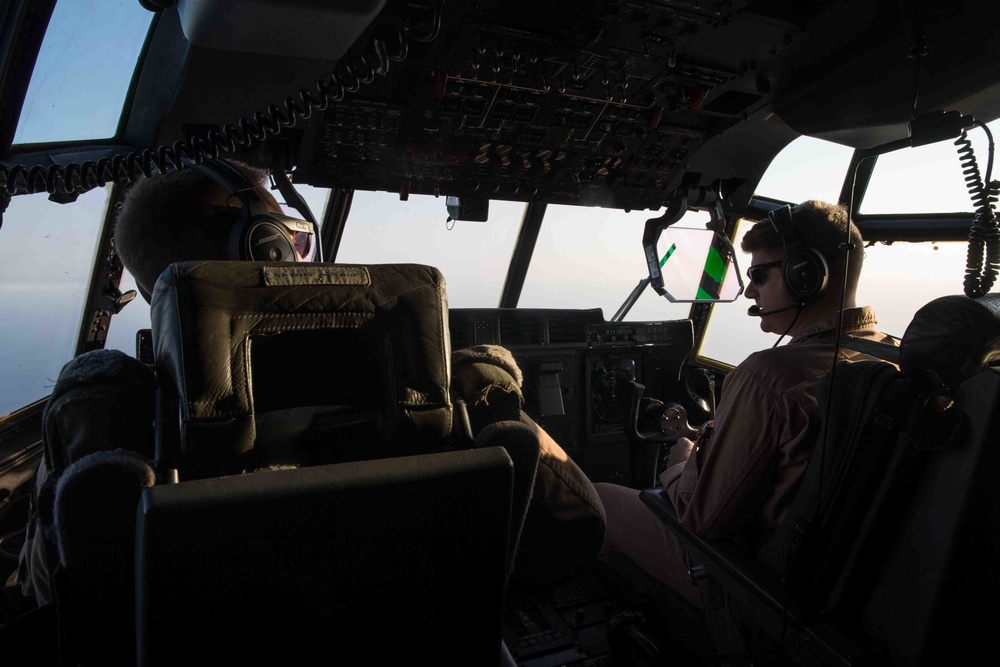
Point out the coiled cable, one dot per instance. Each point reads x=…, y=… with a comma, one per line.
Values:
x=983, y=259
x=347, y=78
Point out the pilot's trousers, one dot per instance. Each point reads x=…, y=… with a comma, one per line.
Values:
x=634, y=531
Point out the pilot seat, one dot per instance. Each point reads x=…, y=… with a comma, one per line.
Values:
x=888, y=553
x=312, y=493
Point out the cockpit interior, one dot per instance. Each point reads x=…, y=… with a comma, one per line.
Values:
x=619, y=148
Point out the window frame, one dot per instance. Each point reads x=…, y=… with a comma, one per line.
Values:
x=116, y=139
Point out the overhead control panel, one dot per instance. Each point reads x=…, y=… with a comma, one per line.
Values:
x=576, y=102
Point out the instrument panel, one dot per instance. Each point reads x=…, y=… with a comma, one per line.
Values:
x=596, y=103
x=580, y=373
x=609, y=381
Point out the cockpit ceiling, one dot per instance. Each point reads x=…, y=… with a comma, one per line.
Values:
x=609, y=102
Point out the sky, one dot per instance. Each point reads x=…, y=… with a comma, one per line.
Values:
x=584, y=258
x=83, y=70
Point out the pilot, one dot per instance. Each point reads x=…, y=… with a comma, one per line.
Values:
x=184, y=215
x=737, y=478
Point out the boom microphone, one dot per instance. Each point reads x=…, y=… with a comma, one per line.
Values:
x=755, y=311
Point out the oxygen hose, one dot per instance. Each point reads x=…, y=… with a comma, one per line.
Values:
x=983, y=260
x=126, y=168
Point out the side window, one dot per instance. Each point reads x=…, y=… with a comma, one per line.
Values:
x=898, y=279
x=47, y=253
x=86, y=62
x=926, y=179
x=806, y=169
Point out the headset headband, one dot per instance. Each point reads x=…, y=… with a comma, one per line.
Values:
x=234, y=182
x=781, y=221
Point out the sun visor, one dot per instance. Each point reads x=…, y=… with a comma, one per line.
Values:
x=316, y=29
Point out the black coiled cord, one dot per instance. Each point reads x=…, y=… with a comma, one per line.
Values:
x=983, y=260
x=124, y=169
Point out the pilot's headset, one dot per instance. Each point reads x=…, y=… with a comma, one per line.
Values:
x=803, y=268
x=257, y=234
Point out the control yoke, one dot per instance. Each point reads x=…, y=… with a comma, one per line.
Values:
x=672, y=422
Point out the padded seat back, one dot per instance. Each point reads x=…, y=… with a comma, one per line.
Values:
x=258, y=365
x=337, y=362
x=935, y=601
x=882, y=428
x=376, y=562
x=832, y=544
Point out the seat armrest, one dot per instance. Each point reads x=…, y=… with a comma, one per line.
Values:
x=725, y=559
x=755, y=588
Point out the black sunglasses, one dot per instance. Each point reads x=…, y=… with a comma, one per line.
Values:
x=756, y=272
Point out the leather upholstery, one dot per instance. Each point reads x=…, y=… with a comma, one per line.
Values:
x=395, y=561
x=954, y=336
x=236, y=339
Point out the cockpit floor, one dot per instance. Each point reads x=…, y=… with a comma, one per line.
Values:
x=612, y=614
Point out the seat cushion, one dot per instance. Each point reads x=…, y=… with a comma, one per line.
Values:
x=236, y=340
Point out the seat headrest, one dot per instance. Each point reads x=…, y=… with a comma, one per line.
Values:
x=954, y=336
x=236, y=340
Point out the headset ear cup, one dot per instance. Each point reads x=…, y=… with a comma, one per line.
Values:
x=237, y=250
x=805, y=272
x=267, y=241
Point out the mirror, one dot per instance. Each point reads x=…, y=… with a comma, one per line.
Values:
x=699, y=266
x=467, y=208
